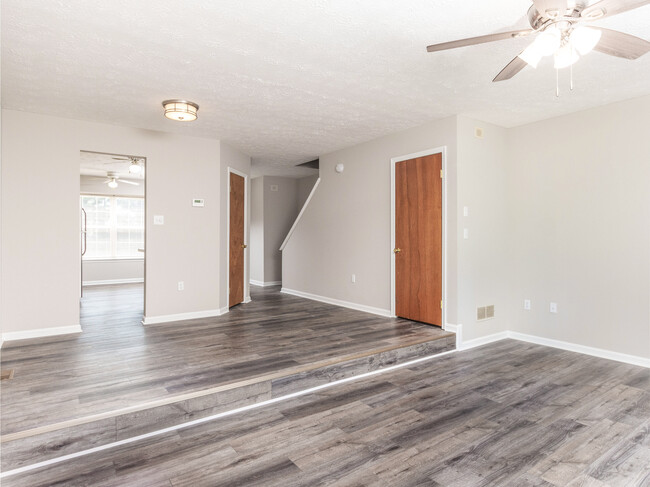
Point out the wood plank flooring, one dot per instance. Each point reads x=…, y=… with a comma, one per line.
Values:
x=506, y=414
x=117, y=363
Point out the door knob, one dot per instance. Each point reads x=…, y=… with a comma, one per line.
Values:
x=243, y=246
x=397, y=250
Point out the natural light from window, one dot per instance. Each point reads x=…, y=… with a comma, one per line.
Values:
x=114, y=227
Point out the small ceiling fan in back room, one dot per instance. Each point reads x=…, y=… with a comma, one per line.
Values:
x=562, y=29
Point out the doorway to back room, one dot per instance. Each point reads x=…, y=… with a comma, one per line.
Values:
x=112, y=241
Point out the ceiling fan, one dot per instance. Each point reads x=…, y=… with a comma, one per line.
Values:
x=134, y=168
x=113, y=178
x=561, y=28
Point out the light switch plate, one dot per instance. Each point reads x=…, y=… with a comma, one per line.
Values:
x=158, y=220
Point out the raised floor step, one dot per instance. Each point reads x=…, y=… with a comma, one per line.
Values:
x=58, y=439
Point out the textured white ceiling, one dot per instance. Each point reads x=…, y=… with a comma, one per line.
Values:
x=286, y=81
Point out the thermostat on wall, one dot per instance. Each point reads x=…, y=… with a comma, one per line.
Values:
x=198, y=202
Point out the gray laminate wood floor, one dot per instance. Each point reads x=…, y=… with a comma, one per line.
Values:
x=505, y=414
x=116, y=362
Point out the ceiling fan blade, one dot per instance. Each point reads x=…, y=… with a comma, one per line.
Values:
x=607, y=8
x=551, y=8
x=120, y=159
x=512, y=68
x=620, y=44
x=478, y=40
x=128, y=182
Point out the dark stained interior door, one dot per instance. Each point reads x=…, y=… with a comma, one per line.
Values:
x=418, y=239
x=237, y=244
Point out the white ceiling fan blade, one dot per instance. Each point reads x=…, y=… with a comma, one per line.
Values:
x=607, y=8
x=128, y=182
x=620, y=44
x=471, y=41
x=551, y=8
x=511, y=69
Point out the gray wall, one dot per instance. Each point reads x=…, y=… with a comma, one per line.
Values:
x=280, y=211
x=257, y=230
x=305, y=186
x=580, y=193
x=345, y=229
x=273, y=213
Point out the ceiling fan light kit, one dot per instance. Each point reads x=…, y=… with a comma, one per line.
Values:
x=180, y=110
x=561, y=33
x=112, y=183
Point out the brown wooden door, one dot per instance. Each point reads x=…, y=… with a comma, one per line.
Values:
x=237, y=244
x=418, y=239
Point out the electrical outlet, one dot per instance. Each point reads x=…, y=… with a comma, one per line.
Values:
x=527, y=304
x=181, y=286
x=553, y=308
x=354, y=278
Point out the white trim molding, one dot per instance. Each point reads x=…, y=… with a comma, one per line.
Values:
x=574, y=347
x=132, y=280
x=265, y=284
x=480, y=341
x=302, y=210
x=438, y=150
x=41, y=333
x=193, y=315
x=338, y=302
x=547, y=342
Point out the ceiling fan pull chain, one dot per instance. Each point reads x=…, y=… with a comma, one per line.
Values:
x=557, y=83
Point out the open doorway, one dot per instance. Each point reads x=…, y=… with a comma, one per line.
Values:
x=112, y=244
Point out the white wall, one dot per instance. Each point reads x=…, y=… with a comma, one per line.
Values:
x=112, y=271
x=257, y=230
x=40, y=169
x=484, y=258
x=559, y=211
x=235, y=159
x=345, y=229
x=280, y=211
x=580, y=193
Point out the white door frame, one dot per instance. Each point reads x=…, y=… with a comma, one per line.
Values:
x=438, y=150
x=247, y=297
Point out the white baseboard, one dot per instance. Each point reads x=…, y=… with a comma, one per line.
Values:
x=477, y=342
x=40, y=333
x=574, y=347
x=338, y=302
x=265, y=284
x=247, y=299
x=114, y=281
x=210, y=313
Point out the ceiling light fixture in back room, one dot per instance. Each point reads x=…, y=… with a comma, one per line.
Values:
x=180, y=110
x=561, y=32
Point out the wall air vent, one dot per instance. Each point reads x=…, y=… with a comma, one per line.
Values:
x=485, y=312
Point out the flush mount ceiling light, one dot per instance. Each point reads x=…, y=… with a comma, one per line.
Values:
x=180, y=110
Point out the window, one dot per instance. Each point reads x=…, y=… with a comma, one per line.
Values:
x=114, y=226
